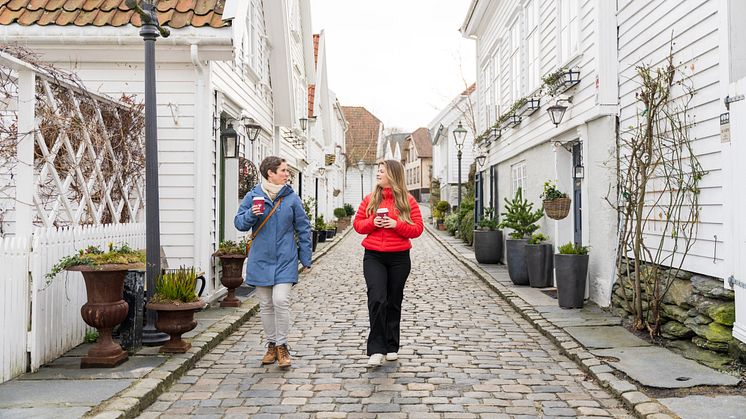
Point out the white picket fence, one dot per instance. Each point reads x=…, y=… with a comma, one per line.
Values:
x=41, y=318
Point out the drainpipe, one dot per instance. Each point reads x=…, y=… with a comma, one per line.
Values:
x=200, y=242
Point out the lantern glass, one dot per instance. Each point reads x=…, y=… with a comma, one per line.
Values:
x=556, y=113
x=459, y=134
x=230, y=143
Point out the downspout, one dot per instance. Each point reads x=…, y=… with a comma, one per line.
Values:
x=200, y=222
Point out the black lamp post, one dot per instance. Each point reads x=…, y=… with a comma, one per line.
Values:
x=149, y=31
x=459, y=134
x=361, y=168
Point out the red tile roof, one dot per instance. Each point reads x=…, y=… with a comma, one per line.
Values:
x=315, y=50
x=422, y=142
x=361, y=140
x=172, y=13
x=311, y=94
x=469, y=90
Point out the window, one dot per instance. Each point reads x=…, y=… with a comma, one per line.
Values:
x=568, y=29
x=495, y=83
x=533, y=36
x=486, y=95
x=518, y=176
x=515, y=61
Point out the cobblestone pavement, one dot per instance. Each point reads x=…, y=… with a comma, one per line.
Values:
x=465, y=353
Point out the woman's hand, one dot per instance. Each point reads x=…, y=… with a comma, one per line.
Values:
x=379, y=222
x=388, y=223
x=256, y=210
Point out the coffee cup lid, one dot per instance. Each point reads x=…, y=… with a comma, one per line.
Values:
x=258, y=198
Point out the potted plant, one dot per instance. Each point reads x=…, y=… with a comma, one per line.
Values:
x=175, y=299
x=442, y=208
x=539, y=259
x=232, y=256
x=309, y=205
x=320, y=227
x=488, y=240
x=451, y=223
x=556, y=203
x=331, y=230
x=103, y=273
x=519, y=217
x=571, y=265
x=343, y=220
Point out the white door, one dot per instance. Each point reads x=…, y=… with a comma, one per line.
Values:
x=734, y=152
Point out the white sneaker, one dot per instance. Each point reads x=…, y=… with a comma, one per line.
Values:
x=375, y=360
x=392, y=356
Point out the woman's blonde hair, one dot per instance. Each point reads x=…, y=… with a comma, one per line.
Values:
x=395, y=174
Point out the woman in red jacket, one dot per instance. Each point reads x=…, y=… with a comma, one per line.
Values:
x=389, y=216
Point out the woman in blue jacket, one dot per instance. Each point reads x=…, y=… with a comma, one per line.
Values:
x=272, y=265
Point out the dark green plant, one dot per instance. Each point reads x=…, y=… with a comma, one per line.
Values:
x=340, y=212
x=551, y=192
x=91, y=336
x=451, y=223
x=93, y=256
x=571, y=248
x=443, y=207
x=520, y=217
x=331, y=226
x=467, y=227
x=230, y=247
x=319, y=225
x=489, y=220
x=178, y=286
x=349, y=210
x=309, y=207
x=537, y=238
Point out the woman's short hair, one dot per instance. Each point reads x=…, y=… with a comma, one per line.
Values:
x=270, y=163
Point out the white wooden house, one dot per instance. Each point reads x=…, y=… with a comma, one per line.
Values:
x=445, y=154
x=418, y=162
x=518, y=43
x=245, y=62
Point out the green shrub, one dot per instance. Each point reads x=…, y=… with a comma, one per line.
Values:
x=91, y=336
x=519, y=217
x=229, y=247
x=467, y=227
x=340, y=212
x=93, y=256
x=443, y=207
x=451, y=223
x=489, y=221
x=319, y=224
x=331, y=226
x=551, y=192
x=309, y=206
x=177, y=286
x=349, y=210
x=537, y=238
x=573, y=249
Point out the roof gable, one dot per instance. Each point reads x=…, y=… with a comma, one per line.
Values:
x=172, y=13
x=361, y=140
x=421, y=141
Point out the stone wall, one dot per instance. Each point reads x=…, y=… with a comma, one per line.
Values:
x=697, y=318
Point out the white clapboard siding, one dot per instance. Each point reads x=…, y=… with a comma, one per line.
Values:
x=14, y=306
x=56, y=324
x=645, y=31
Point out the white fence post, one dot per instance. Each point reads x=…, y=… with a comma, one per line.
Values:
x=14, y=306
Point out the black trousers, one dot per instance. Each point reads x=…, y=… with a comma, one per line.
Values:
x=385, y=275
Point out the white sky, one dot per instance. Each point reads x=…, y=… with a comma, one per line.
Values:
x=403, y=60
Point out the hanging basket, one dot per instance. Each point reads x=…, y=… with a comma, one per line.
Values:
x=557, y=209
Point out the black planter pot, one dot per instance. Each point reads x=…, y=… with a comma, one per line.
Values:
x=330, y=234
x=572, y=271
x=540, y=261
x=488, y=246
x=322, y=236
x=314, y=240
x=516, y=255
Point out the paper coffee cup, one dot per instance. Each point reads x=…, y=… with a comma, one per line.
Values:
x=258, y=200
x=382, y=212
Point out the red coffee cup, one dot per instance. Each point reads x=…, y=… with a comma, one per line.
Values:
x=382, y=212
x=259, y=200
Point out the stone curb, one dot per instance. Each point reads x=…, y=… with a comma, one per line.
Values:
x=627, y=392
x=130, y=402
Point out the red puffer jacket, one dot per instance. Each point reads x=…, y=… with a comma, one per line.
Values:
x=388, y=239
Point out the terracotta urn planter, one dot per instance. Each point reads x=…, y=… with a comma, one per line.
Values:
x=231, y=278
x=105, y=308
x=175, y=320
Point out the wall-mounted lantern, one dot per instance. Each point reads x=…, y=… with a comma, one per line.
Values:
x=229, y=142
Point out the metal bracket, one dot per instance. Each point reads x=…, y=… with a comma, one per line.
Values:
x=566, y=145
x=733, y=281
x=728, y=100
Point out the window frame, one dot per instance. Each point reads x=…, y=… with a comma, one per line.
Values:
x=568, y=48
x=532, y=17
x=518, y=176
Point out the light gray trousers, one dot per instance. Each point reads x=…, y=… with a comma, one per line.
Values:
x=274, y=309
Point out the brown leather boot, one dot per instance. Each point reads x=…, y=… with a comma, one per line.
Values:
x=283, y=356
x=271, y=356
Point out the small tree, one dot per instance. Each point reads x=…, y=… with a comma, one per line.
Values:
x=519, y=217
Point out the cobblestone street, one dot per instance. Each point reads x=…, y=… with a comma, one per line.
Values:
x=465, y=353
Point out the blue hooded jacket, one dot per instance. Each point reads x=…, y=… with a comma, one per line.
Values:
x=273, y=258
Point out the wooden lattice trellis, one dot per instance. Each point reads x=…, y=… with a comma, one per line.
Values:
x=88, y=152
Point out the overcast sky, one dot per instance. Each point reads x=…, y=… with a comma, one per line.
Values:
x=403, y=60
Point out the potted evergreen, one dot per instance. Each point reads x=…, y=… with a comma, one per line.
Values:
x=343, y=220
x=175, y=299
x=232, y=256
x=519, y=217
x=320, y=227
x=488, y=240
x=331, y=230
x=103, y=273
x=439, y=213
x=571, y=265
x=539, y=258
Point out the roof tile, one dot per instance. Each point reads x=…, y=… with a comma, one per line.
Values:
x=173, y=13
x=361, y=140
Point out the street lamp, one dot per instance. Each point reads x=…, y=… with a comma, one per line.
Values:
x=480, y=160
x=361, y=167
x=149, y=31
x=557, y=111
x=229, y=142
x=459, y=135
x=251, y=128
